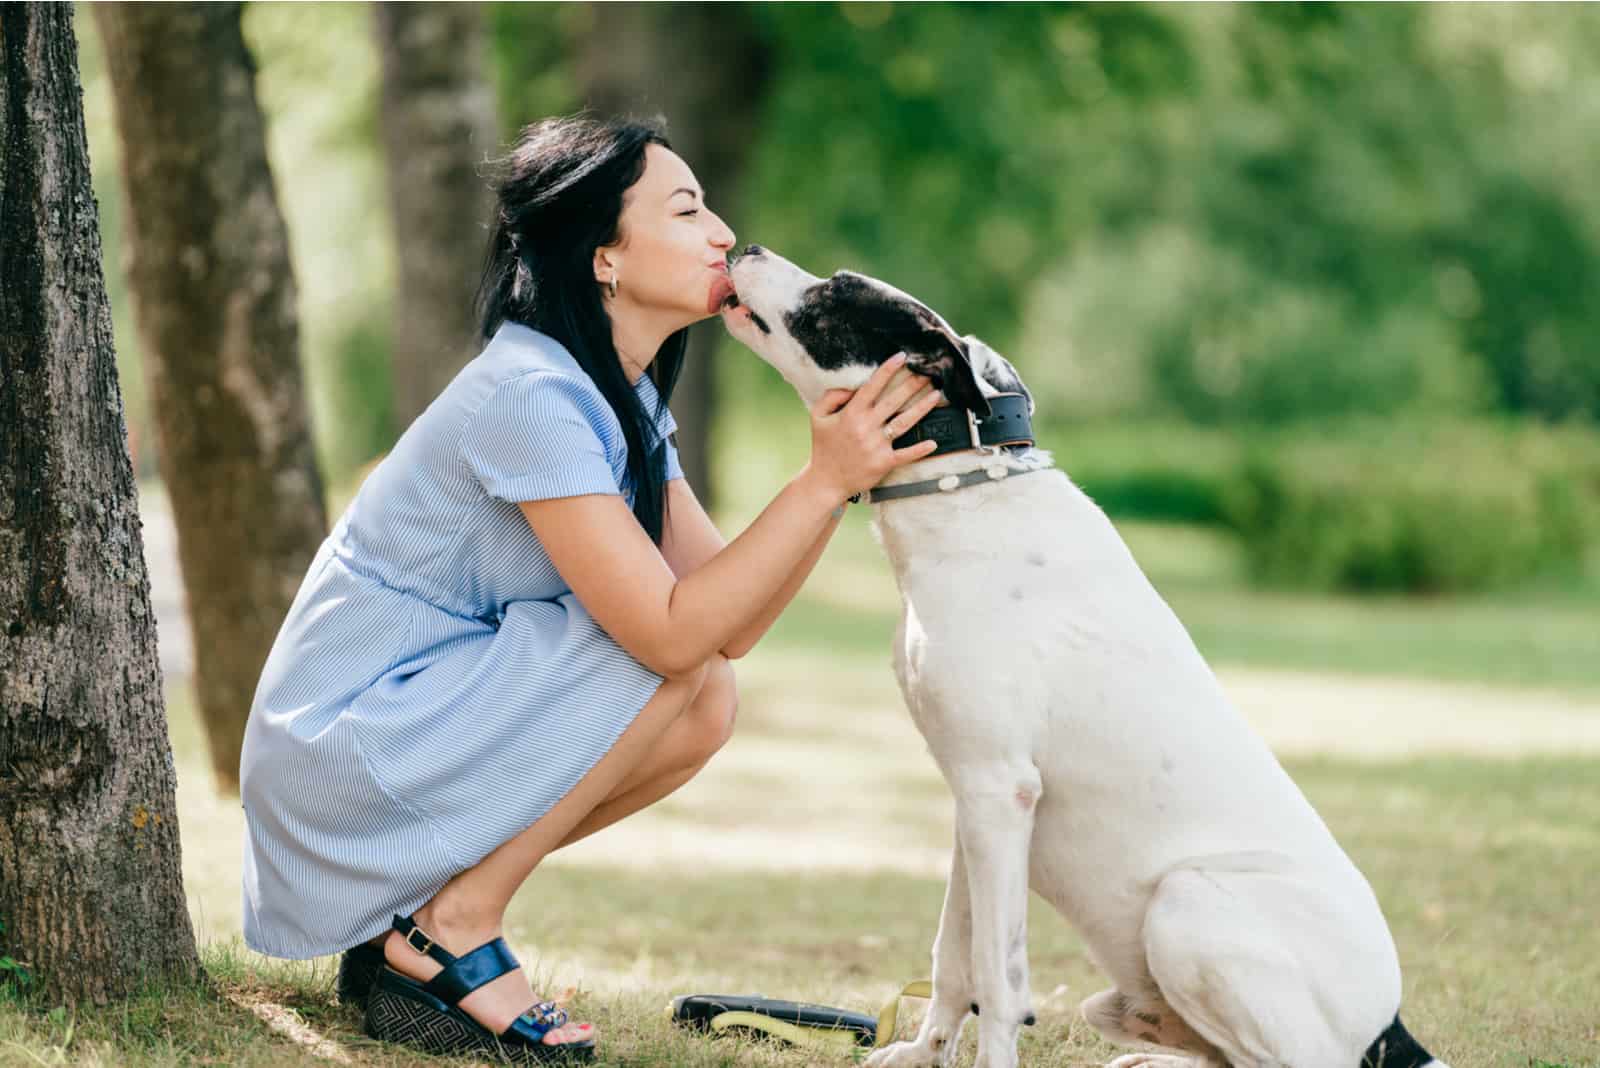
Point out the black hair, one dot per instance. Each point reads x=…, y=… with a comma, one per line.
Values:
x=558, y=198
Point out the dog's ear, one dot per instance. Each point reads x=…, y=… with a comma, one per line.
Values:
x=935, y=352
x=995, y=369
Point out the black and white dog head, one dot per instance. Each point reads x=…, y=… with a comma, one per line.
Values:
x=832, y=333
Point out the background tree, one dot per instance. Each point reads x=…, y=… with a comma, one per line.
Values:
x=438, y=123
x=214, y=299
x=91, y=892
x=707, y=68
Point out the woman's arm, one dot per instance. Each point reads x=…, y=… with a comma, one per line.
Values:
x=692, y=539
x=672, y=625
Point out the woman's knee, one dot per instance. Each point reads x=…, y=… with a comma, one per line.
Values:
x=683, y=689
x=712, y=712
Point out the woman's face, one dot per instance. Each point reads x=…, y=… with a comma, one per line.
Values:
x=671, y=261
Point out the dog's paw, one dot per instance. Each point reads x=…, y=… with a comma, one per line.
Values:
x=905, y=1055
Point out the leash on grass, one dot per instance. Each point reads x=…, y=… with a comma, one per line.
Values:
x=817, y=1027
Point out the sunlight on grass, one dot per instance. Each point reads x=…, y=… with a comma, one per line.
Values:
x=1484, y=868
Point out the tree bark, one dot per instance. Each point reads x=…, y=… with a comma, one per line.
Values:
x=214, y=300
x=91, y=886
x=438, y=123
x=707, y=69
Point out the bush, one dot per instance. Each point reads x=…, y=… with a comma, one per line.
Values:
x=1417, y=508
x=1167, y=472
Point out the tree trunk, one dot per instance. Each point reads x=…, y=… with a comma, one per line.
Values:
x=214, y=299
x=91, y=888
x=438, y=123
x=707, y=69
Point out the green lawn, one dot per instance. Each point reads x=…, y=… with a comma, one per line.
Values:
x=1451, y=746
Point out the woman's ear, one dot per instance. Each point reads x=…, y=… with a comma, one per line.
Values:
x=938, y=354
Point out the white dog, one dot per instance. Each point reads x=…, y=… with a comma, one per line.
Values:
x=1092, y=753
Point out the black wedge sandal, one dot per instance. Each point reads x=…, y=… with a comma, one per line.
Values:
x=428, y=1017
x=358, y=971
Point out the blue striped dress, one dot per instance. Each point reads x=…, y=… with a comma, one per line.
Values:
x=436, y=687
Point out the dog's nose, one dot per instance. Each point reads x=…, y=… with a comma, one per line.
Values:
x=752, y=250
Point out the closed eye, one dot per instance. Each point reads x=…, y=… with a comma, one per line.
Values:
x=691, y=211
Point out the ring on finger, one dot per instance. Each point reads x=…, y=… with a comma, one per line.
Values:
x=889, y=431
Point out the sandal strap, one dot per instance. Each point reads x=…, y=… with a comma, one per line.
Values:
x=539, y=1020
x=471, y=970
x=418, y=940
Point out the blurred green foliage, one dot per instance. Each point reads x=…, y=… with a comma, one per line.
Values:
x=1223, y=213
x=944, y=147
x=1163, y=471
x=1417, y=507
x=1218, y=225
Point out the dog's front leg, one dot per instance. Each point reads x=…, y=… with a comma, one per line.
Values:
x=994, y=819
x=935, y=1043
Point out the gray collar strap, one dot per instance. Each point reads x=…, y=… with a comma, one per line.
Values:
x=998, y=471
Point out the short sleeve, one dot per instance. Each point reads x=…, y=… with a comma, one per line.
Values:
x=666, y=426
x=537, y=436
x=674, y=468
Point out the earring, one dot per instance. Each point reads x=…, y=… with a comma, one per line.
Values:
x=613, y=285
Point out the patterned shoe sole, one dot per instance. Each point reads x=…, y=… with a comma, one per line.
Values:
x=393, y=1017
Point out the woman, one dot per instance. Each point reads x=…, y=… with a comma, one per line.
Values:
x=520, y=630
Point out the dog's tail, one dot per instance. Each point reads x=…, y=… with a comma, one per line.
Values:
x=1395, y=1048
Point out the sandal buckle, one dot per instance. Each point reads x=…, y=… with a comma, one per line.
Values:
x=423, y=949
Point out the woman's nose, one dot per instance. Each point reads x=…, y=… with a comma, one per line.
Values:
x=724, y=239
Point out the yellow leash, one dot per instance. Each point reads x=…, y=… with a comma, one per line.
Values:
x=921, y=988
x=839, y=1042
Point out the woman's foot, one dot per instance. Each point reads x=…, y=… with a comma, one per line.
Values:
x=494, y=1005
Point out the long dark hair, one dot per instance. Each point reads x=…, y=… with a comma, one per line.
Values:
x=558, y=198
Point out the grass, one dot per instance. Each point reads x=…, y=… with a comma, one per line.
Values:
x=1484, y=867
x=1451, y=746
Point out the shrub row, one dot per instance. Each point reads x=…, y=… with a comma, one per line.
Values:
x=1417, y=508
x=1408, y=507
x=1167, y=472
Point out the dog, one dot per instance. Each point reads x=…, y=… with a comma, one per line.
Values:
x=1093, y=756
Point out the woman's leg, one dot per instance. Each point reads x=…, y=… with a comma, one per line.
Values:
x=470, y=910
x=683, y=749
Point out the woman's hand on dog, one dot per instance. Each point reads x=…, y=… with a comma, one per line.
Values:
x=850, y=449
